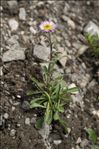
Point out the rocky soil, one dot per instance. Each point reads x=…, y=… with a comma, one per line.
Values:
x=24, y=49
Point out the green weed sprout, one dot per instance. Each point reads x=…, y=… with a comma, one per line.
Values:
x=93, y=41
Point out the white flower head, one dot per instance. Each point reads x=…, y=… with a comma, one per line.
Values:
x=47, y=26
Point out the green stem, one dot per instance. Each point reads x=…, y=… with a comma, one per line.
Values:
x=50, y=43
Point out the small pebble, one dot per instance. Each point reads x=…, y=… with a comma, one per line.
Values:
x=33, y=120
x=6, y=115
x=12, y=132
x=27, y=121
x=57, y=142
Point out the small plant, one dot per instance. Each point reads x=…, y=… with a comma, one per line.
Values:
x=93, y=138
x=93, y=41
x=51, y=94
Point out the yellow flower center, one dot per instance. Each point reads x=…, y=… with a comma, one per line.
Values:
x=47, y=27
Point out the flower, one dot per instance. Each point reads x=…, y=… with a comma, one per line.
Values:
x=47, y=26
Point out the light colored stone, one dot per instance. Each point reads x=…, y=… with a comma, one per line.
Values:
x=69, y=21
x=12, y=132
x=78, y=141
x=1, y=8
x=6, y=115
x=57, y=142
x=84, y=143
x=82, y=49
x=11, y=55
x=85, y=80
x=15, y=52
x=91, y=28
x=42, y=52
x=27, y=121
x=32, y=30
x=92, y=84
x=78, y=147
x=45, y=131
x=12, y=40
x=13, y=24
x=22, y=14
x=95, y=112
x=18, y=96
x=1, y=72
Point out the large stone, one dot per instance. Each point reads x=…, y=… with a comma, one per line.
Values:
x=22, y=14
x=15, y=52
x=91, y=28
x=11, y=55
x=13, y=24
x=13, y=6
x=42, y=52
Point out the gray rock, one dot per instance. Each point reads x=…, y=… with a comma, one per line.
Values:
x=85, y=80
x=82, y=49
x=12, y=132
x=32, y=30
x=1, y=72
x=12, y=40
x=15, y=52
x=91, y=28
x=13, y=6
x=78, y=147
x=6, y=115
x=33, y=120
x=57, y=142
x=13, y=24
x=1, y=121
x=11, y=55
x=84, y=143
x=44, y=132
x=25, y=105
x=27, y=121
x=42, y=52
x=22, y=14
x=78, y=141
x=69, y=21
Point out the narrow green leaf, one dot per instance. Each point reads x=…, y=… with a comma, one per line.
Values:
x=61, y=108
x=56, y=116
x=36, y=105
x=72, y=90
x=48, y=115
